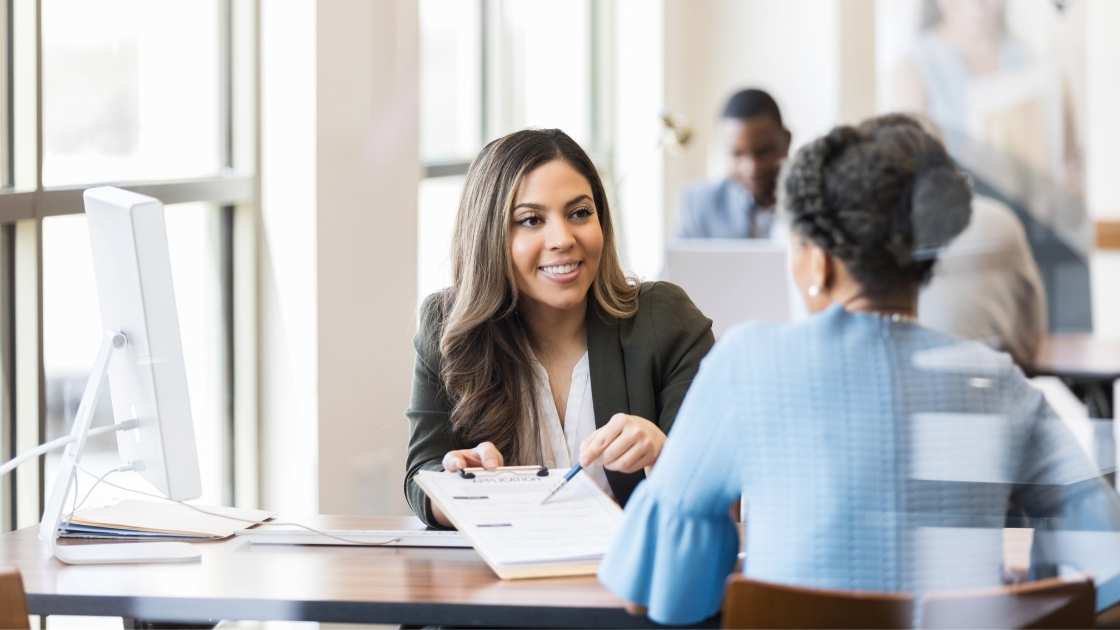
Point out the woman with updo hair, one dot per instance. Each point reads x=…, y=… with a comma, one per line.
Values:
x=870, y=453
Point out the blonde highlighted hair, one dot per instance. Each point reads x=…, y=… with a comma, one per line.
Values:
x=484, y=345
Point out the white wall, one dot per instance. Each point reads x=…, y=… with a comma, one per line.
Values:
x=288, y=318
x=636, y=100
x=1102, y=90
x=339, y=175
x=1102, y=138
x=369, y=169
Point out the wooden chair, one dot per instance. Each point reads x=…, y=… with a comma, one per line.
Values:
x=13, y=601
x=1051, y=603
x=1061, y=602
x=750, y=603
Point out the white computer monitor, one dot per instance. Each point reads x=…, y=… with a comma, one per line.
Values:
x=147, y=378
x=733, y=280
x=141, y=353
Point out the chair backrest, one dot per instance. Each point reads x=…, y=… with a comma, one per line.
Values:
x=754, y=604
x=1050, y=603
x=1061, y=602
x=13, y=601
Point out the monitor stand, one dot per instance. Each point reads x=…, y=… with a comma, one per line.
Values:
x=111, y=553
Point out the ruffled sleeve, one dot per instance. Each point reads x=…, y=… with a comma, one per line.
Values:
x=672, y=563
x=677, y=543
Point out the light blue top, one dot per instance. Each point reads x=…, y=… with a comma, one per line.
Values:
x=872, y=454
x=722, y=209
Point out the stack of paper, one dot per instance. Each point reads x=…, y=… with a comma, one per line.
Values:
x=293, y=535
x=500, y=513
x=151, y=520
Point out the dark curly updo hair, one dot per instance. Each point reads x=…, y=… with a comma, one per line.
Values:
x=883, y=198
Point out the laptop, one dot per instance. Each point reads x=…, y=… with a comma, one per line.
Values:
x=733, y=280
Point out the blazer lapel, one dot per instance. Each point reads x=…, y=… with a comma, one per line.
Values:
x=609, y=392
x=605, y=361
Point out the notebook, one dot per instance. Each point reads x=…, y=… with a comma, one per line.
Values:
x=500, y=514
x=156, y=520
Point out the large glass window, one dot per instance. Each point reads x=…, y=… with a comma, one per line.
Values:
x=72, y=333
x=450, y=79
x=542, y=66
x=489, y=68
x=6, y=374
x=131, y=90
x=154, y=95
x=439, y=201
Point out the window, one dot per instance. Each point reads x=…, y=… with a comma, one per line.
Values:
x=542, y=67
x=7, y=360
x=72, y=334
x=131, y=90
x=487, y=69
x=7, y=411
x=450, y=79
x=158, y=96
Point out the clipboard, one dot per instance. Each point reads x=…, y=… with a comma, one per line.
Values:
x=499, y=512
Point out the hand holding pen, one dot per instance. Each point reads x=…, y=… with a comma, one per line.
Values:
x=625, y=444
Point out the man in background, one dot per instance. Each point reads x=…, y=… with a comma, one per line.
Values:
x=742, y=204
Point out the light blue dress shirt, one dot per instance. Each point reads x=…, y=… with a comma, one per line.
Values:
x=722, y=209
x=872, y=454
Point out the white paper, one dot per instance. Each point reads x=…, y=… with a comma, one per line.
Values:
x=501, y=513
x=171, y=518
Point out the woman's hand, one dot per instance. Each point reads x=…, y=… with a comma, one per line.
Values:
x=626, y=444
x=485, y=455
x=635, y=609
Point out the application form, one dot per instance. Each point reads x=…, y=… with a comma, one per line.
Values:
x=500, y=512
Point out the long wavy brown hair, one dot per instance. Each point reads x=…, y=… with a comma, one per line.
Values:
x=484, y=345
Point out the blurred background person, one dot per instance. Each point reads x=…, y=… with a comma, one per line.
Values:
x=986, y=285
x=742, y=204
x=1003, y=100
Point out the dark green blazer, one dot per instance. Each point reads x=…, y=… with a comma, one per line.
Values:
x=641, y=366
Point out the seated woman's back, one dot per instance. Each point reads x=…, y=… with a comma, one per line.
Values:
x=880, y=455
x=871, y=453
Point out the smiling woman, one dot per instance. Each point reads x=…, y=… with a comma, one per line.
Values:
x=556, y=240
x=542, y=351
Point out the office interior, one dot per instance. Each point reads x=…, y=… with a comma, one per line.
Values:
x=311, y=154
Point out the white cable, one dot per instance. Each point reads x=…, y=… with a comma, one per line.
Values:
x=63, y=441
x=79, y=505
x=352, y=541
x=74, y=487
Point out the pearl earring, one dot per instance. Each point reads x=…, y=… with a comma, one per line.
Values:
x=814, y=290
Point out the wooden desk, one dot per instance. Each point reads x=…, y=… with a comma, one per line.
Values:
x=1088, y=364
x=236, y=580
x=1078, y=356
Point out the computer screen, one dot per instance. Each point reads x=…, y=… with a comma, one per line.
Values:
x=733, y=280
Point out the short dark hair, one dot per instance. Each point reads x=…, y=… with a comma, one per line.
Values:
x=883, y=197
x=749, y=103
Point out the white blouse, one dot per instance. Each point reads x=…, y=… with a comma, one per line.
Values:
x=560, y=443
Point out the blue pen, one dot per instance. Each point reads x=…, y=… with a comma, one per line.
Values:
x=567, y=477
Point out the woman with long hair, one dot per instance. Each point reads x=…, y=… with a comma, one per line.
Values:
x=542, y=352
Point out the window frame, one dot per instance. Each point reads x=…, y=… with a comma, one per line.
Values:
x=493, y=89
x=25, y=203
